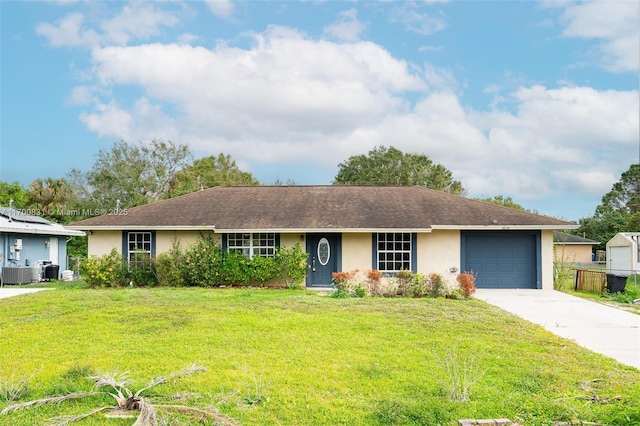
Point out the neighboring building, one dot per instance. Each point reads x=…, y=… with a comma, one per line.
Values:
x=623, y=253
x=572, y=248
x=27, y=243
x=345, y=228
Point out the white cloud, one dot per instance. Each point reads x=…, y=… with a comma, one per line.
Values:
x=69, y=32
x=290, y=99
x=221, y=8
x=614, y=23
x=187, y=38
x=135, y=21
x=416, y=21
x=109, y=120
x=348, y=27
x=572, y=138
x=82, y=95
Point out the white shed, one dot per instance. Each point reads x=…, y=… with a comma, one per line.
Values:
x=623, y=255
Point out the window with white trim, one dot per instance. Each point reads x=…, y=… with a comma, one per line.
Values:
x=139, y=246
x=261, y=244
x=394, y=251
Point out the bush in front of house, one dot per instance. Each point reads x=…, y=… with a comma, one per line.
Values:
x=169, y=266
x=111, y=270
x=203, y=263
x=467, y=281
x=105, y=271
x=403, y=284
x=292, y=263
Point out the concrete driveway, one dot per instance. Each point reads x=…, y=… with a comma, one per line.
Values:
x=8, y=292
x=602, y=329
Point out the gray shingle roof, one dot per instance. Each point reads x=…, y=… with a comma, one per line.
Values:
x=564, y=238
x=321, y=208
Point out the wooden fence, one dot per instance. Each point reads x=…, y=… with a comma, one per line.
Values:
x=592, y=281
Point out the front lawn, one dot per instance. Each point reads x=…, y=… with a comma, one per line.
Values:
x=286, y=357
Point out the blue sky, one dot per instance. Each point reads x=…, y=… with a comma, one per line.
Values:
x=537, y=101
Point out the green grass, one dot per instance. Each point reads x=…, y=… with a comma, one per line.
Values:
x=566, y=283
x=281, y=357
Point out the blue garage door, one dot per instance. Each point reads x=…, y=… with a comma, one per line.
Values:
x=502, y=259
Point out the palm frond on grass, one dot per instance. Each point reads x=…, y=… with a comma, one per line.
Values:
x=219, y=418
x=49, y=400
x=190, y=371
x=148, y=415
x=67, y=420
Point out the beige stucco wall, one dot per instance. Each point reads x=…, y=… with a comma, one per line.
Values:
x=572, y=253
x=438, y=252
x=290, y=240
x=546, y=249
x=164, y=239
x=102, y=242
x=356, y=251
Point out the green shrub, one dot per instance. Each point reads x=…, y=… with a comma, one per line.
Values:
x=340, y=294
x=108, y=270
x=359, y=291
x=405, y=281
x=436, y=286
x=293, y=265
x=142, y=271
x=264, y=269
x=235, y=268
x=418, y=285
x=168, y=267
x=202, y=263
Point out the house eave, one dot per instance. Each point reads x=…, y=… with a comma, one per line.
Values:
x=144, y=228
x=37, y=231
x=326, y=230
x=577, y=243
x=499, y=227
x=212, y=228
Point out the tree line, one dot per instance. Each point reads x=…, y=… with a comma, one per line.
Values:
x=127, y=175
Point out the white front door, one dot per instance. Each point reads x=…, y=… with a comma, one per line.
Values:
x=53, y=250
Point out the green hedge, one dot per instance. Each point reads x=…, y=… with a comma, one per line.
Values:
x=201, y=264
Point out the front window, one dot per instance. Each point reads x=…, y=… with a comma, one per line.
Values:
x=261, y=244
x=394, y=251
x=139, y=245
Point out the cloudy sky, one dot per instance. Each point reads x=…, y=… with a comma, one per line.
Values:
x=533, y=100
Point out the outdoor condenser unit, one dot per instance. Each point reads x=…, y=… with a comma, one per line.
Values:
x=16, y=275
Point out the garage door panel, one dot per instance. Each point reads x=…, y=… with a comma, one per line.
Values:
x=489, y=267
x=502, y=260
x=506, y=268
